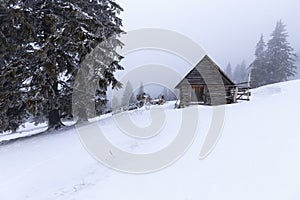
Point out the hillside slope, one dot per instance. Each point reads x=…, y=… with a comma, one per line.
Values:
x=257, y=157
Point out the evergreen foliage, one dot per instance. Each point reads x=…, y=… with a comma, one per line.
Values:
x=43, y=44
x=276, y=62
x=128, y=96
x=240, y=74
x=228, y=71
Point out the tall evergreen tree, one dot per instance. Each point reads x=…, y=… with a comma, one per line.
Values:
x=44, y=44
x=127, y=94
x=115, y=105
x=260, y=47
x=258, y=66
x=277, y=62
x=166, y=94
x=298, y=65
x=141, y=91
x=15, y=59
x=240, y=73
x=228, y=71
x=280, y=56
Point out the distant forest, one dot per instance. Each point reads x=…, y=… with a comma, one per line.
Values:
x=275, y=61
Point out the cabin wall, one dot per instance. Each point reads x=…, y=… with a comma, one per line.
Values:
x=185, y=95
x=214, y=95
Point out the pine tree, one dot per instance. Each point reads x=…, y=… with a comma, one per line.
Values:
x=240, y=73
x=260, y=47
x=258, y=66
x=141, y=92
x=96, y=74
x=13, y=68
x=115, y=104
x=44, y=43
x=127, y=95
x=228, y=71
x=280, y=64
x=244, y=72
x=140, y=97
x=277, y=62
x=166, y=94
x=298, y=65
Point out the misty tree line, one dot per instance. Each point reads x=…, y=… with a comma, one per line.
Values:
x=274, y=61
x=239, y=74
x=43, y=44
x=132, y=99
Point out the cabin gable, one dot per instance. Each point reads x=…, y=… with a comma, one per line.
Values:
x=205, y=84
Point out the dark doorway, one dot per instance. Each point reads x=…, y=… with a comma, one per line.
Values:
x=198, y=93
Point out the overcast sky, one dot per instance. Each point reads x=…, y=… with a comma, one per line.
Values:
x=227, y=29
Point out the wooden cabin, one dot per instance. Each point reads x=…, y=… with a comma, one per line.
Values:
x=206, y=84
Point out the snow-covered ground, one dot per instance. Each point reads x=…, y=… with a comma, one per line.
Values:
x=28, y=129
x=257, y=157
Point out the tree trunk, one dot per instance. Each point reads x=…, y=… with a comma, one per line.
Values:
x=54, y=120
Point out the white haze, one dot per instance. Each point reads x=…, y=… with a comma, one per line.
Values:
x=227, y=29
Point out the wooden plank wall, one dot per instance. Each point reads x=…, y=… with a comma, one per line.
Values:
x=206, y=73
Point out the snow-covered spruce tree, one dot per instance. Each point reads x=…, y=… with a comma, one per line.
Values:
x=127, y=95
x=53, y=38
x=140, y=97
x=228, y=71
x=166, y=94
x=96, y=74
x=259, y=66
x=115, y=105
x=141, y=89
x=298, y=64
x=240, y=74
x=280, y=59
x=15, y=57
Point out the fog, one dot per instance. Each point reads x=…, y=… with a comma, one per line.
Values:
x=228, y=30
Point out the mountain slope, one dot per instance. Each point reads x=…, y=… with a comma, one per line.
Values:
x=257, y=157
